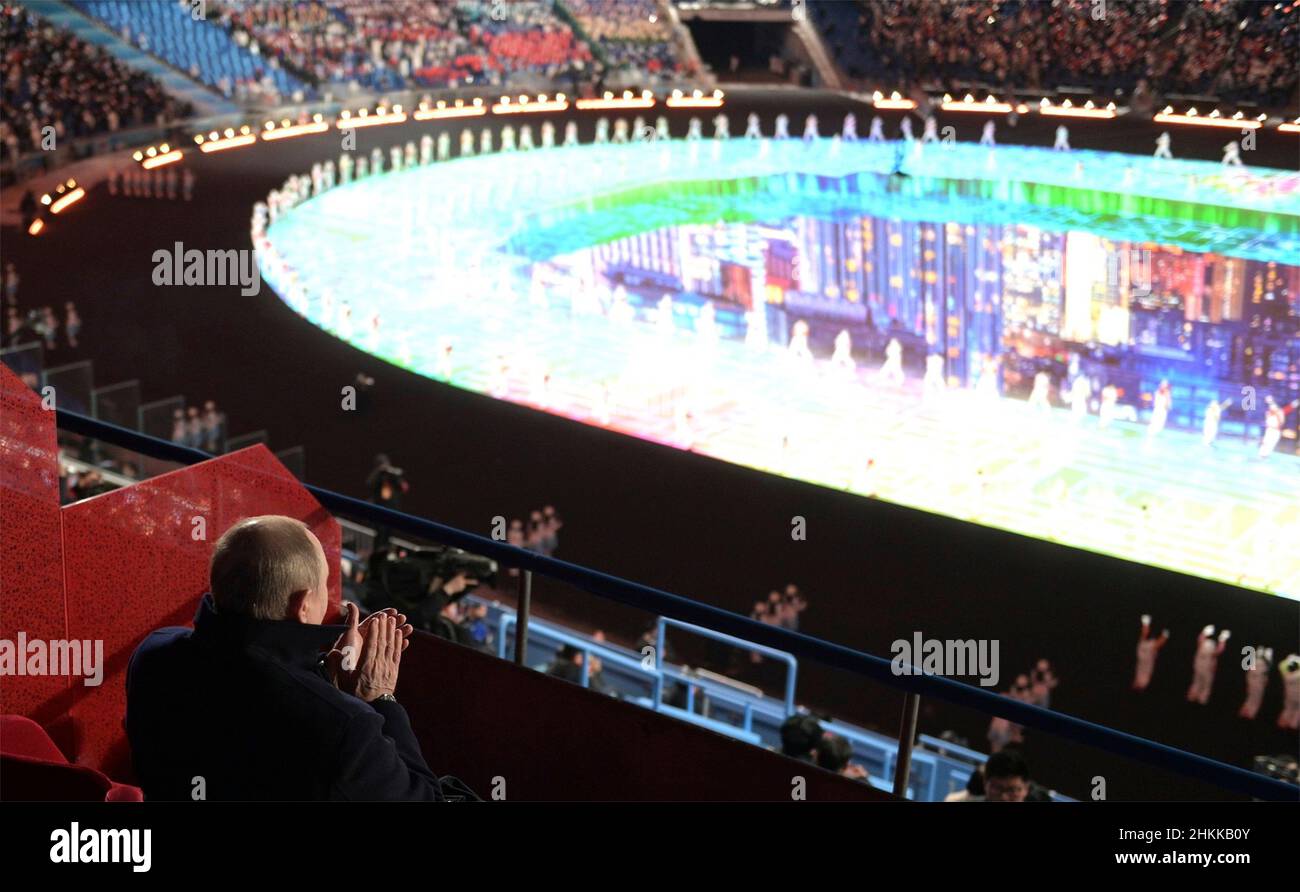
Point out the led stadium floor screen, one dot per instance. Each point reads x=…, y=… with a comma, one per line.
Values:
x=1048, y=343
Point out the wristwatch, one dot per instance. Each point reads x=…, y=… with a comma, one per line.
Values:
x=387, y=697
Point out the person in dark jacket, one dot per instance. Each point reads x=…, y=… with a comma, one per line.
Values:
x=245, y=707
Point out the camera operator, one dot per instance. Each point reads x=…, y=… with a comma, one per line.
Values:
x=386, y=485
x=427, y=585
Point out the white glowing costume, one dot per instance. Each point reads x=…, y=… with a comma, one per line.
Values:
x=810, y=128
x=721, y=127
x=782, y=130
x=799, y=349
x=752, y=128
x=1062, y=143
x=877, y=131
x=1256, y=682
x=1162, y=147
x=892, y=369
x=1206, y=663
x=842, y=355
x=1232, y=154
x=989, y=136
x=1040, y=395
x=1148, y=649
x=850, y=131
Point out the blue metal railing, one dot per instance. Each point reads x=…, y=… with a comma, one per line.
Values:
x=792, y=665
x=643, y=597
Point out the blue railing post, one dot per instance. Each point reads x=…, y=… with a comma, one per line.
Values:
x=522, y=614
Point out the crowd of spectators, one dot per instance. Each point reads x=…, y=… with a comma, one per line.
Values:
x=200, y=429
x=1237, y=50
x=52, y=79
x=388, y=44
x=1034, y=687
x=629, y=33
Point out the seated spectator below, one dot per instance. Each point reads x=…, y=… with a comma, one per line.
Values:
x=1006, y=779
x=261, y=702
x=834, y=753
x=800, y=735
x=568, y=666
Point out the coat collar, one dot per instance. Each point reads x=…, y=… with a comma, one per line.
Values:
x=295, y=644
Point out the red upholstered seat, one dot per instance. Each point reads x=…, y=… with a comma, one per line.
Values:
x=33, y=769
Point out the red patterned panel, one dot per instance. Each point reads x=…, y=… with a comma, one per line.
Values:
x=31, y=554
x=137, y=560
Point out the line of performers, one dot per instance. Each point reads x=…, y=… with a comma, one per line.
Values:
x=1257, y=662
x=1077, y=396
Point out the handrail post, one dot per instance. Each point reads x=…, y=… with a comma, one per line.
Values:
x=906, y=737
x=521, y=620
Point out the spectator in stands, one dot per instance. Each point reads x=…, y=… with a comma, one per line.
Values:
x=214, y=428
x=1006, y=779
x=551, y=524
x=800, y=735
x=244, y=707
x=11, y=279
x=71, y=323
x=178, y=427
x=535, y=536
x=473, y=630
x=974, y=791
x=834, y=753
x=193, y=428
x=568, y=666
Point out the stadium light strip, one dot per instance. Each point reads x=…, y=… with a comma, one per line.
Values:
x=71, y=198
x=233, y=142
x=905, y=104
x=1290, y=126
x=370, y=121
x=1076, y=111
x=455, y=111
x=988, y=106
x=1233, y=123
x=694, y=102
x=524, y=108
x=613, y=103
x=295, y=130
x=37, y=225
x=162, y=160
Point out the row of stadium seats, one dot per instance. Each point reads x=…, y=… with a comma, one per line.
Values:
x=207, y=53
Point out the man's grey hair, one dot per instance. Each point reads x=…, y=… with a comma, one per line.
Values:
x=259, y=562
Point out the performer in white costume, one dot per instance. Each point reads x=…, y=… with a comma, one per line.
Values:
x=798, y=348
x=989, y=136
x=1148, y=649
x=1040, y=395
x=1210, y=426
x=850, y=131
x=892, y=369
x=1274, y=419
x=1162, y=147
x=752, y=128
x=1206, y=663
x=877, y=131
x=842, y=356
x=1062, y=143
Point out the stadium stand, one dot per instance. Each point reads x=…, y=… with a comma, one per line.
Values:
x=205, y=52
x=51, y=78
x=1185, y=48
x=630, y=34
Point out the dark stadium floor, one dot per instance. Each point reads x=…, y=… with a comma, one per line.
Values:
x=872, y=572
